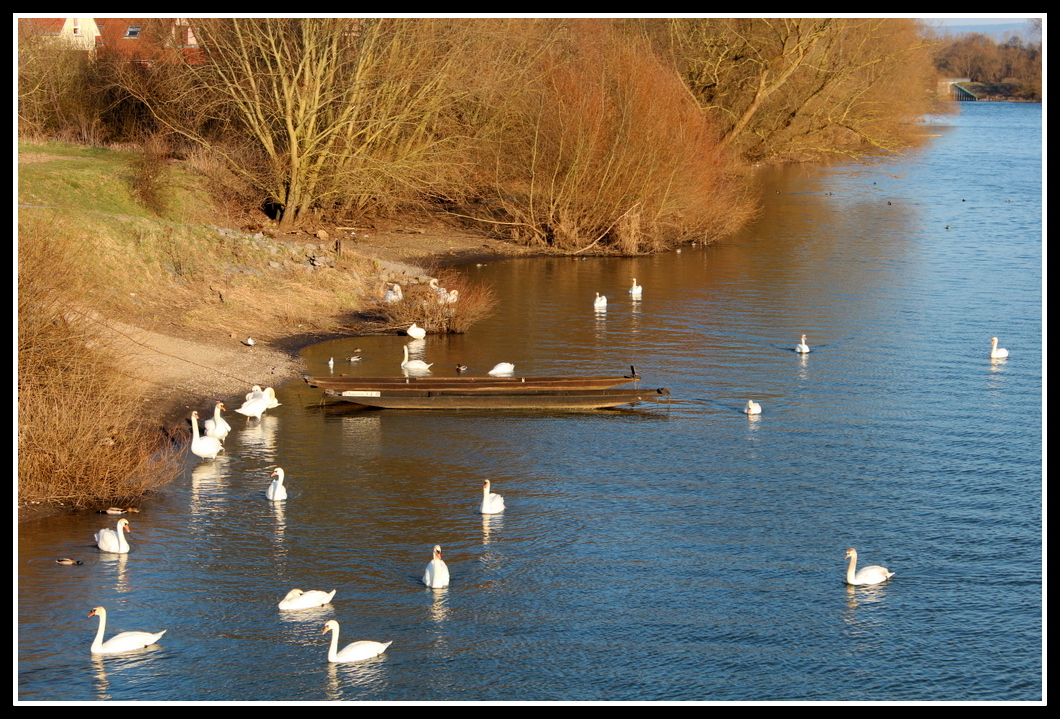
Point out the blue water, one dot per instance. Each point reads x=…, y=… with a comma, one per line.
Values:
x=676, y=551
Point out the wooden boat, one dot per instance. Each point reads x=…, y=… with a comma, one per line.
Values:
x=516, y=385
x=496, y=398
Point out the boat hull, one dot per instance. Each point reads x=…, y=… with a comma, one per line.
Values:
x=542, y=399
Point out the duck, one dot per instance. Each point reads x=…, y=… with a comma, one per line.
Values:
x=600, y=303
x=119, y=643
x=866, y=575
x=802, y=348
x=491, y=503
x=297, y=599
x=205, y=447
x=113, y=540
x=437, y=574
x=636, y=290
x=416, y=332
x=502, y=368
x=394, y=294
x=752, y=407
x=276, y=491
x=356, y=652
x=67, y=561
x=461, y=368
x=216, y=425
x=995, y=351
x=414, y=365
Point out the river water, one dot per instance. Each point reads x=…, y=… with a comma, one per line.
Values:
x=675, y=551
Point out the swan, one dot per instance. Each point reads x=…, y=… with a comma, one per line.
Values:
x=254, y=393
x=451, y=298
x=802, y=348
x=205, y=447
x=216, y=425
x=113, y=540
x=600, y=303
x=256, y=404
x=636, y=290
x=414, y=365
x=995, y=352
x=356, y=652
x=297, y=599
x=440, y=292
x=250, y=342
x=866, y=575
x=276, y=491
x=331, y=363
x=491, y=503
x=752, y=407
x=416, y=332
x=502, y=368
x=270, y=396
x=394, y=294
x=437, y=574
x=124, y=642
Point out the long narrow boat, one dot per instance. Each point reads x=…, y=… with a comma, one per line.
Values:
x=517, y=385
x=540, y=398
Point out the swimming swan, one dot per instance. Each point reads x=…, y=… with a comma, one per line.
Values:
x=502, y=368
x=297, y=599
x=867, y=575
x=491, y=503
x=113, y=540
x=636, y=290
x=437, y=574
x=995, y=351
x=802, y=348
x=752, y=407
x=600, y=303
x=216, y=426
x=356, y=652
x=124, y=642
x=415, y=332
x=205, y=447
x=414, y=365
x=276, y=491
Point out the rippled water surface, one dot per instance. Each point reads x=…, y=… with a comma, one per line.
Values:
x=676, y=551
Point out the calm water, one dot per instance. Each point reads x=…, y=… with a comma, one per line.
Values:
x=679, y=552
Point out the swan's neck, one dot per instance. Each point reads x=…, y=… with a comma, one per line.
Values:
x=851, y=567
x=194, y=427
x=333, y=653
x=279, y=478
x=98, y=643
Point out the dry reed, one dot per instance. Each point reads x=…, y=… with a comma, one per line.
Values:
x=425, y=306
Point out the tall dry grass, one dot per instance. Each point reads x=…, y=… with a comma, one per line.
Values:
x=80, y=439
x=423, y=305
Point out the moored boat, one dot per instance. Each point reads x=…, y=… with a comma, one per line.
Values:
x=540, y=398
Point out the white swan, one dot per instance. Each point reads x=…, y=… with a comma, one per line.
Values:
x=276, y=491
x=356, y=652
x=297, y=599
x=256, y=404
x=414, y=365
x=113, y=540
x=205, y=447
x=437, y=574
x=600, y=303
x=331, y=363
x=216, y=425
x=270, y=397
x=440, y=292
x=124, y=642
x=502, y=368
x=802, y=348
x=491, y=503
x=866, y=575
x=451, y=298
x=394, y=294
x=995, y=351
x=636, y=290
x=254, y=393
x=416, y=332
x=752, y=407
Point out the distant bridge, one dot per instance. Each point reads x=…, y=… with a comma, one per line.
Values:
x=951, y=88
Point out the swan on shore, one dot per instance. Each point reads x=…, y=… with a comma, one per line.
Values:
x=491, y=503
x=119, y=643
x=394, y=294
x=356, y=652
x=874, y=574
x=113, y=540
x=437, y=574
x=995, y=351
